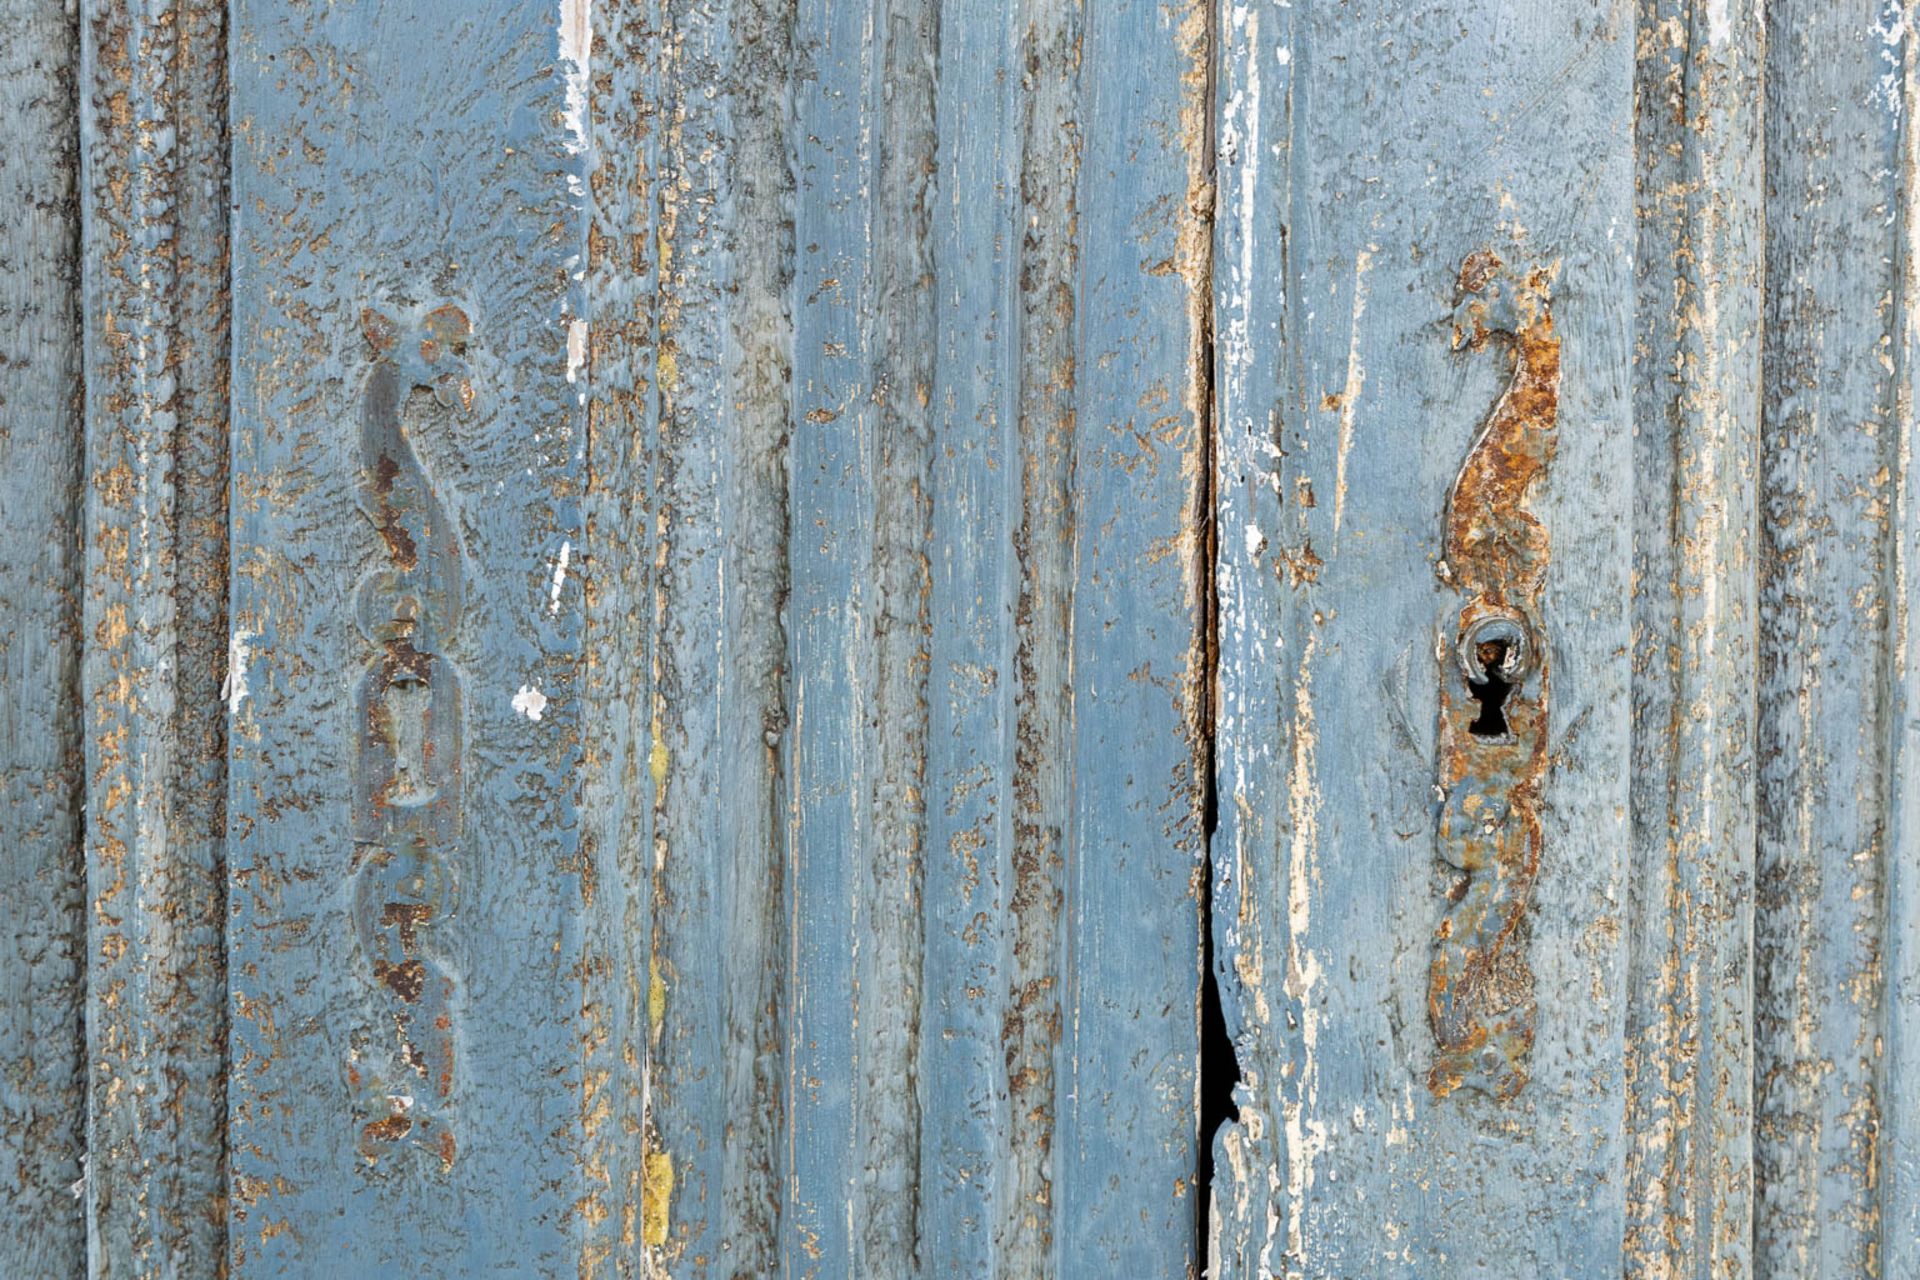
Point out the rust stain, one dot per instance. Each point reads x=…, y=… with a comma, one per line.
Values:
x=1493, y=695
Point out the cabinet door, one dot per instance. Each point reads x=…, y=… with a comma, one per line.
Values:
x=933, y=638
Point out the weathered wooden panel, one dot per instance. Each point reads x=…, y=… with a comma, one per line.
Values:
x=1423, y=314
x=991, y=355
x=1836, y=1167
x=979, y=1174
x=907, y=366
x=427, y=985
x=813, y=394
x=42, y=877
x=1689, y=1116
x=1135, y=678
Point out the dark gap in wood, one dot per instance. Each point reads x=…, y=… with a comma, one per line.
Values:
x=1219, y=1063
x=1219, y=1066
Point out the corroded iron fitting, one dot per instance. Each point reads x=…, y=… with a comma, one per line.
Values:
x=1494, y=695
x=408, y=812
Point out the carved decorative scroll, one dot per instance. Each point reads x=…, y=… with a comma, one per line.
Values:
x=1494, y=696
x=407, y=795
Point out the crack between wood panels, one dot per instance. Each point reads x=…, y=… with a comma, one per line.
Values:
x=1218, y=1063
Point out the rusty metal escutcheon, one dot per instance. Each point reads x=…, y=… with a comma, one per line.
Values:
x=1494, y=695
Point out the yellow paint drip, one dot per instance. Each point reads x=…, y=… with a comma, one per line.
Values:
x=656, y=999
x=657, y=763
x=656, y=1197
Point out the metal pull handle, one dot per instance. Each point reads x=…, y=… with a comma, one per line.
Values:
x=408, y=811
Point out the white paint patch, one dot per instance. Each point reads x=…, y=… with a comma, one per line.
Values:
x=576, y=47
x=1891, y=29
x=1719, y=27
x=1255, y=539
x=1299, y=1099
x=1350, y=394
x=1892, y=26
x=559, y=579
x=576, y=348
x=1239, y=147
x=530, y=702
x=234, y=687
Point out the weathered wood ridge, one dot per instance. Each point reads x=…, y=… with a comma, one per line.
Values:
x=928, y=638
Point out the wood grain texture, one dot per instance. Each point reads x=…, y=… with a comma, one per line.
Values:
x=703, y=201
x=958, y=463
x=1690, y=1065
x=617, y=574
x=153, y=181
x=672, y=695
x=858, y=618
x=1897, y=1146
x=42, y=868
x=909, y=415
x=1834, y=1089
x=978, y=1175
x=1134, y=844
x=1365, y=154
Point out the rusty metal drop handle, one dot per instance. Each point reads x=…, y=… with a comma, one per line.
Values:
x=408, y=813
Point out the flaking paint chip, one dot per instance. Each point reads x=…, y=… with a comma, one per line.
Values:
x=530, y=702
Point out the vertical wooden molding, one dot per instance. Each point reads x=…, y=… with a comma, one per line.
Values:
x=1135, y=803
x=1043, y=520
x=698, y=347
x=154, y=219
x=978, y=1173
x=1690, y=1060
x=1835, y=858
x=615, y=373
x=859, y=627
x=1898, y=1142
x=42, y=870
x=995, y=468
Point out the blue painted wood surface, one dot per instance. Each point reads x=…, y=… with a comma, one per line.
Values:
x=419, y=1083
x=1691, y=1031
x=1837, y=1171
x=706, y=791
x=762, y=583
x=1375, y=160
x=43, y=1099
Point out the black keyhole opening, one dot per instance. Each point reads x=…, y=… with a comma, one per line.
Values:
x=1491, y=691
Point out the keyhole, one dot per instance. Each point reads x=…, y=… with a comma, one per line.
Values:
x=410, y=727
x=1490, y=690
